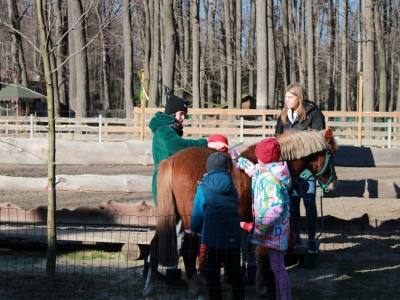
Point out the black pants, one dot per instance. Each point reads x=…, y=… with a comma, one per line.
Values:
x=269, y=278
x=231, y=258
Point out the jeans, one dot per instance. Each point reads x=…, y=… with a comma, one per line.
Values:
x=306, y=190
x=248, y=249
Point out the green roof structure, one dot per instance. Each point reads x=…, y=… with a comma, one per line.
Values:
x=17, y=92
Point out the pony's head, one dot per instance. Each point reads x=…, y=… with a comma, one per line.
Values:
x=313, y=150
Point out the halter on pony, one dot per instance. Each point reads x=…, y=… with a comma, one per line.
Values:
x=328, y=161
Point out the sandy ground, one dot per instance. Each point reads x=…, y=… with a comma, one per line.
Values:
x=340, y=207
x=352, y=263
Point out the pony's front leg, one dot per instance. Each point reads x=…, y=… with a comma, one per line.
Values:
x=190, y=249
x=149, y=291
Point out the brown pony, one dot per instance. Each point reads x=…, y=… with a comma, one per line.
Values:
x=177, y=182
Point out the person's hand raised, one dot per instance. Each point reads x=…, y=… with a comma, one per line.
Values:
x=220, y=146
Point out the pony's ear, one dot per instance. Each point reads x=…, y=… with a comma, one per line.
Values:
x=328, y=135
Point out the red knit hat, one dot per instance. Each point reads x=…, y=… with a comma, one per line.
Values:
x=218, y=138
x=268, y=150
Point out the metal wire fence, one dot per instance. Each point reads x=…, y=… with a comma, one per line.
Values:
x=357, y=259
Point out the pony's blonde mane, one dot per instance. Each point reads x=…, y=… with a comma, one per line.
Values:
x=298, y=144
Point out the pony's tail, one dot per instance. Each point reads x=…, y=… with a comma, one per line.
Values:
x=166, y=209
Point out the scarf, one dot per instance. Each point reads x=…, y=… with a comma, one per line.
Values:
x=177, y=127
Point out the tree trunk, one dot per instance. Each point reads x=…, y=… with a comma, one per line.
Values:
x=128, y=59
x=369, y=55
x=271, y=57
x=238, y=43
x=104, y=63
x=285, y=37
x=330, y=61
x=147, y=53
x=71, y=61
x=81, y=64
x=229, y=53
x=196, y=53
x=170, y=48
x=310, y=50
x=251, y=46
x=51, y=158
x=262, y=55
x=317, y=56
x=381, y=58
x=343, y=96
x=60, y=56
x=18, y=58
x=155, y=57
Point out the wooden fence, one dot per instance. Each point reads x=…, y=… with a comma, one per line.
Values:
x=247, y=125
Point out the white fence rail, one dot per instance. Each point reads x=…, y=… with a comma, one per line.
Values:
x=382, y=129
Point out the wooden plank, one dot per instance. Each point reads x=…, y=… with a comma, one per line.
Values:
x=82, y=183
x=34, y=151
x=105, y=214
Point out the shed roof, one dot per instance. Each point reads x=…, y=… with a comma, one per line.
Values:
x=17, y=91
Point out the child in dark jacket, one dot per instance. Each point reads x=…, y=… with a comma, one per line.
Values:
x=216, y=216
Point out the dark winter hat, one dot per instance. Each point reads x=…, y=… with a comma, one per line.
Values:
x=268, y=150
x=218, y=138
x=216, y=161
x=174, y=104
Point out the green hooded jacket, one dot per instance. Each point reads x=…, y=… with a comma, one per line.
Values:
x=167, y=142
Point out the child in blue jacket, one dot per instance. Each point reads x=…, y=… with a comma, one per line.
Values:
x=216, y=216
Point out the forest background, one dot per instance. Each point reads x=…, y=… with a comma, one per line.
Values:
x=210, y=52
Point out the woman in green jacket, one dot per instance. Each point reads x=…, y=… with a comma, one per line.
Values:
x=167, y=140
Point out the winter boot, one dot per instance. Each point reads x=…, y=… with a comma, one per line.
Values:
x=174, y=278
x=160, y=276
x=251, y=274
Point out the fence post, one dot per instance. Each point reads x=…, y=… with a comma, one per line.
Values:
x=31, y=123
x=100, y=126
x=389, y=132
x=360, y=108
x=241, y=129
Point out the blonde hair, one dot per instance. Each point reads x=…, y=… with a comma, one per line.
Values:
x=298, y=90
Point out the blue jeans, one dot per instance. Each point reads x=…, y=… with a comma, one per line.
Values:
x=305, y=189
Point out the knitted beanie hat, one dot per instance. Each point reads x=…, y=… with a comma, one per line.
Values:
x=174, y=104
x=217, y=160
x=268, y=150
x=218, y=138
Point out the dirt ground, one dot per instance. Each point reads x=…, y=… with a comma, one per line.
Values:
x=341, y=207
x=354, y=262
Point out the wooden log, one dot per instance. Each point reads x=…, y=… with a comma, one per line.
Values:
x=134, y=251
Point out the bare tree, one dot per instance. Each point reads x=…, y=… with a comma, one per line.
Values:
x=81, y=64
x=196, y=53
x=310, y=50
x=369, y=57
x=271, y=55
x=170, y=48
x=381, y=58
x=343, y=104
x=238, y=43
x=155, y=56
x=285, y=36
x=148, y=76
x=18, y=58
x=262, y=48
x=128, y=59
x=229, y=52
x=251, y=45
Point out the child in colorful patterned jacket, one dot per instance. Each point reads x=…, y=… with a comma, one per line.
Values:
x=270, y=184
